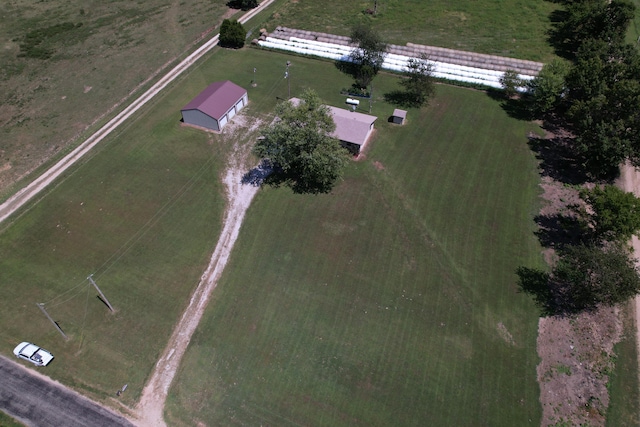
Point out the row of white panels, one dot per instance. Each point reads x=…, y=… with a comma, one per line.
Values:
x=393, y=62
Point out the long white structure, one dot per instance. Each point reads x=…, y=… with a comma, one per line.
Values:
x=394, y=62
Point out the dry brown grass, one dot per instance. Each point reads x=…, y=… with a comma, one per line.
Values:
x=47, y=104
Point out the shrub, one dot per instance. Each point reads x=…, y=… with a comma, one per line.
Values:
x=242, y=4
x=232, y=34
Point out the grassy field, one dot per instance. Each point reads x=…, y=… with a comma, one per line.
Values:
x=143, y=214
x=112, y=48
x=623, y=384
x=7, y=421
x=633, y=35
x=416, y=309
x=391, y=301
x=515, y=28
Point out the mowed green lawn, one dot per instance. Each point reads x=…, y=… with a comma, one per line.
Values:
x=142, y=213
x=391, y=301
x=515, y=28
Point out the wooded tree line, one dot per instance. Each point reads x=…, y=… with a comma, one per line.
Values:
x=595, y=94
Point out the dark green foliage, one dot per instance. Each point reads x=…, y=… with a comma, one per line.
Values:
x=232, y=34
x=418, y=84
x=369, y=54
x=510, y=82
x=300, y=147
x=586, y=276
x=547, y=88
x=31, y=46
x=601, y=95
x=614, y=214
x=604, y=97
x=591, y=275
x=595, y=19
x=243, y=4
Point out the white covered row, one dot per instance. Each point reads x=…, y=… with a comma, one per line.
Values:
x=338, y=52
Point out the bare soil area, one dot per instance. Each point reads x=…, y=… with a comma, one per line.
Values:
x=576, y=352
x=576, y=358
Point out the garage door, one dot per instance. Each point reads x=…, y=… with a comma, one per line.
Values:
x=232, y=113
x=222, y=122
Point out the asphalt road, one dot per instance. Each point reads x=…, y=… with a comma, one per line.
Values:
x=35, y=401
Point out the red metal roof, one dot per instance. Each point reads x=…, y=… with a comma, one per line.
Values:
x=216, y=99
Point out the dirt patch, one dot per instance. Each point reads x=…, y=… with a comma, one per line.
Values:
x=576, y=358
x=505, y=334
x=576, y=352
x=239, y=194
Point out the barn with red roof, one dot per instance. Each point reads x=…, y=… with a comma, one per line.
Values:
x=215, y=106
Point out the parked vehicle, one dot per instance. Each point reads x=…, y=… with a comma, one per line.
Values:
x=32, y=353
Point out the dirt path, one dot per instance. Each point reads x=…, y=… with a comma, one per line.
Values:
x=15, y=202
x=151, y=405
x=630, y=181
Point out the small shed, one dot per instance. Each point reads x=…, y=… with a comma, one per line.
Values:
x=399, y=116
x=215, y=106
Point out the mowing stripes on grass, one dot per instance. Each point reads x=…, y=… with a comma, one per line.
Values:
x=391, y=301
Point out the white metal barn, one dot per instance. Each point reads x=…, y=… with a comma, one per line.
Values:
x=215, y=106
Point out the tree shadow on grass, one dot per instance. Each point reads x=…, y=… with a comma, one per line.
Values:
x=537, y=284
x=558, y=159
x=560, y=33
x=274, y=176
x=401, y=99
x=347, y=67
x=558, y=231
x=552, y=297
x=516, y=107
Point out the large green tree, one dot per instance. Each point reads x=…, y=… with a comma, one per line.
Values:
x=232, y=34
x=243, y=4
x=612, y=214
x=547, y=88
x=603, y=100
x=300, y=147
x=591, y=275
x=605, y=20
x=368, y=55
x=418, y=82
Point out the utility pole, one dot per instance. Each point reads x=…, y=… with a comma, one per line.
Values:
x=41, y=307
x=106, y=301
x=286, y=76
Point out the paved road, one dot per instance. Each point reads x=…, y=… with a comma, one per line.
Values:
x=36, y=401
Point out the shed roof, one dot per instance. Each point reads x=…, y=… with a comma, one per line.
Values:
x=400, y=113
x=216, y=99
x=351, y=126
